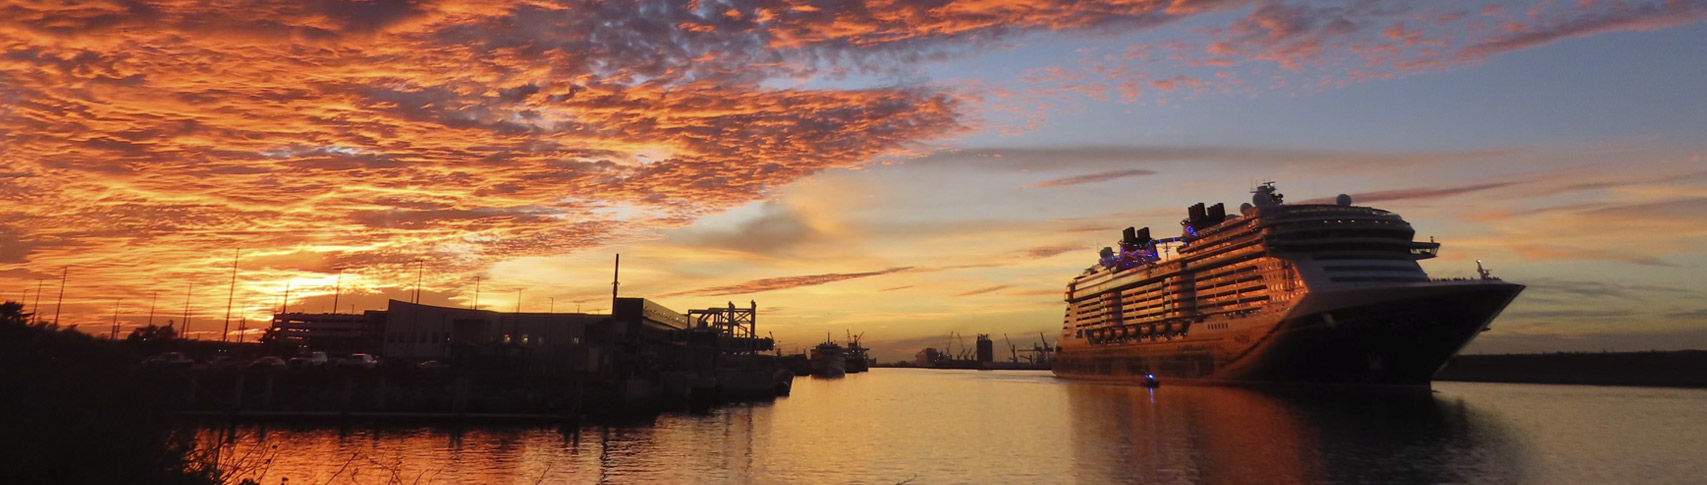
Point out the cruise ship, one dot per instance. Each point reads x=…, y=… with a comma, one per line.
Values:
x=1278, y=293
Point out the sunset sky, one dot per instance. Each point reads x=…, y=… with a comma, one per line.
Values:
x=902, y=169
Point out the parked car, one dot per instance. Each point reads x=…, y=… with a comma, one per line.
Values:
x=268, y=362
x=311, y=359
x=362, y=361
x=169, y=359
x=433, y=365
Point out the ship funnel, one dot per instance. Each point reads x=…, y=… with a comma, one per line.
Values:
x=1195, y=214
x=1128, y=237
x=1143, y=236
x=1217, y=214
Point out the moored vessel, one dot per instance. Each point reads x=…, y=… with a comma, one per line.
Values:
x=857, y=357
x=828, y=360
x=1278, y=293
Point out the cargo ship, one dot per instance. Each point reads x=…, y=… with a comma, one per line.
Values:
x=856, y=356
x=1279, y=293
x=828, y=359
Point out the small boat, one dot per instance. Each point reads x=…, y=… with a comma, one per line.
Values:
x=1150, y=381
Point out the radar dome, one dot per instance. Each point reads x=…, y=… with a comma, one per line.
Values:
x=1343, y=200
x=1246, y=209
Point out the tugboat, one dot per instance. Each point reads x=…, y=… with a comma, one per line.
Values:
x=1276, y=293
x=829, y=359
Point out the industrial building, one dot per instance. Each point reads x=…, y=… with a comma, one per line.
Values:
x=571, y=342
x=336, y=333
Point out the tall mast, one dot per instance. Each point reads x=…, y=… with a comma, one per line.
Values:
x=420, y=267
x=116, y=303
x=615, y=272
x=337, y=289
x=188, y=290
x=37, y=306
x=230, y=298
x=61, y=304
x=151, y=304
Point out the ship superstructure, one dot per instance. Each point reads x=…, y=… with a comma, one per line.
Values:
x=1321, y=293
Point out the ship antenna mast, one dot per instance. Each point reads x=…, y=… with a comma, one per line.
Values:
x=1483, y=272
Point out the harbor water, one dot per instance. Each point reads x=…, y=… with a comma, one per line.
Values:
x=892, y=426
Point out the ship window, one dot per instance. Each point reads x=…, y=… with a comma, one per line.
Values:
x=1376, y=279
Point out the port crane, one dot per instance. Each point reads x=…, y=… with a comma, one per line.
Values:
x=1013, y=353
x=1038, y=354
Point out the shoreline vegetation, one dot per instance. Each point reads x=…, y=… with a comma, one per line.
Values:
x=74, y=412
x=1675, y=368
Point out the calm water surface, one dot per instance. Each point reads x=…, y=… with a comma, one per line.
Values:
x=895, y=425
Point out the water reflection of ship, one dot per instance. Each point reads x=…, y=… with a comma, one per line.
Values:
x=1244, y=435
x=828, y=359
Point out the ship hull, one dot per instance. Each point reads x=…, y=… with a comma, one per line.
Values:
x=1374, y=336
x=829, y=365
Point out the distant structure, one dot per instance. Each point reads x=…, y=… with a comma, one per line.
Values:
x=735, y=328
x=338, y=333
x=638, y=334
x=425, y=332
x=986, y=349
x=572, y=342
x=928, y=356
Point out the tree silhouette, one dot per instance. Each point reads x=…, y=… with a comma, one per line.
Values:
x=12, y=313
x=151, y=333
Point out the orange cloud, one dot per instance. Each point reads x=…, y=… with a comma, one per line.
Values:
x=144, y=143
